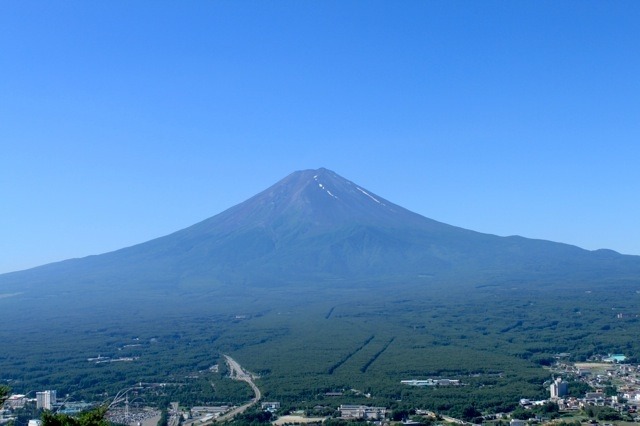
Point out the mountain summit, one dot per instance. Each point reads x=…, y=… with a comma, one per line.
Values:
x=318, y=199
x=314, y=226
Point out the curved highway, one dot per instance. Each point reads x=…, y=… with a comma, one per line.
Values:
x=238, y=373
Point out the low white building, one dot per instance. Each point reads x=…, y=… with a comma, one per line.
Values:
x=362, y=412
x=16, y=401
x=270, y=406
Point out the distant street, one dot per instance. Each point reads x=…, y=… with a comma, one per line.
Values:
x=238, y=373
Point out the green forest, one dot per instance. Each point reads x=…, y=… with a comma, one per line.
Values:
x=339, y=344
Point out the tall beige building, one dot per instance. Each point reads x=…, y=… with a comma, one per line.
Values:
x=558, y=388
x=45, y=399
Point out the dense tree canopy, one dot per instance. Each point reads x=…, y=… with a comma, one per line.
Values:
x=4, y=391
x=95, y=417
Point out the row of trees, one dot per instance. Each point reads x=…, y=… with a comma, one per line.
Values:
x=95, y=417
x=4, y=392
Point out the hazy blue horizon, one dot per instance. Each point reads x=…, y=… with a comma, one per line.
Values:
x=121, y=122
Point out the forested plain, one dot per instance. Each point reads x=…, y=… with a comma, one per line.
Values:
x=305, y=340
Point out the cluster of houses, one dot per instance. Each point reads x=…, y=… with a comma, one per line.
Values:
x=45, y=400
x=602, y=373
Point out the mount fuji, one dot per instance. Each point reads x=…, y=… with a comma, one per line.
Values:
x=318, y=228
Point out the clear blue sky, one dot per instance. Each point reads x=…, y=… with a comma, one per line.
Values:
x=123, y=121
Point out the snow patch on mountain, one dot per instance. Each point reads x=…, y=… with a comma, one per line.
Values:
x=369, y=195
x=322, y=187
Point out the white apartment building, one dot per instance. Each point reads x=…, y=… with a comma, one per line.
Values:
x=45, y=399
